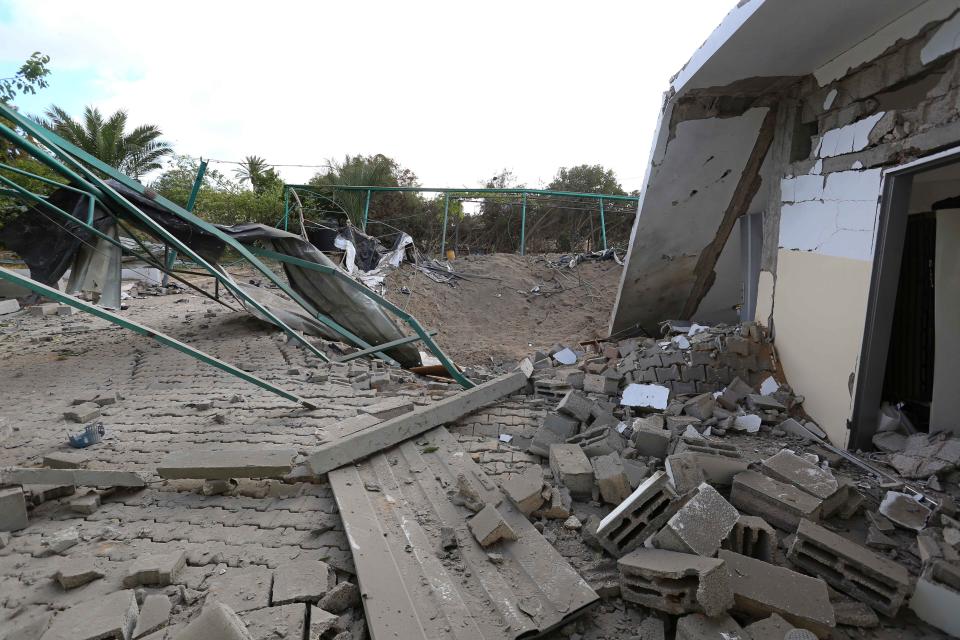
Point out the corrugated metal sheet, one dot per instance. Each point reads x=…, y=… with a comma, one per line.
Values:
x=393, y=506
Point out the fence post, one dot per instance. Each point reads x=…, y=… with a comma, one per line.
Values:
x=446, y=210
x=286, y=206
x=366, y=211
x=523, y=225
x=603, y=226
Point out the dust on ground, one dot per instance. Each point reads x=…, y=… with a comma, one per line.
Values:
x=497, y=312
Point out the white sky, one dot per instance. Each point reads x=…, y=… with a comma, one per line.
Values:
x=455, y=91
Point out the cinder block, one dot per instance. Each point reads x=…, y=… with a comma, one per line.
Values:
x=489, y=527
x=600, y=383
x=13, y=509
x=734, y=392
x=760, y=588
x=45, y=309
x=700, y=525
x=676, y=583
x=611, y=478
x=555, y=429
x=650, y=441
x=780, y=504
x=576, y=404
x=700, y=407
x=753, y=537
x=525, y=489
x=598, y=441
x=572, y=468
x=850, y=568
x=684, y=473
x=936, y=599
x=639, y=516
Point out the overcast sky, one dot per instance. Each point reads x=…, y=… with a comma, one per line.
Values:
x=455, y=91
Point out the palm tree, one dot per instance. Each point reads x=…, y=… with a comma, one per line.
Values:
x=256, y=171
x=134, y=153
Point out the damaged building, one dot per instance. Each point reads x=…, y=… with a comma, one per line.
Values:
x=765, y=445
x=803, y=174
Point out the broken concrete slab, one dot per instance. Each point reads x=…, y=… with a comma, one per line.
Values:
x=571, y=467
x=753, y=537
x=556, y=429
x=772, y=628
x=645, y=396
x=13, y=509
x=676, y=583
x=155, y=570
x=76, y=572
x=700, y=407
x=284, y=621
x=684, y=473
x=365, y=442
x=223, y=464
x=241, y=589
x=697, y=626
x=733, y=393
x=700, y=525
x=489, y=527
x=850, y=568
x=64, y=460
x=109, y=617
x=525, y=489
x=216, y=620
x=611, y=478
x=904, y=510
x=780, y=504
x=301, y=582
x=85, y=504
x=154, y=615
x=639, y=516
x=345, y=595
x=936, y=598
x=788, y=467
x=760, y=588
x=323, y=622
x=389, y=408
x=75, y=477
x=82, y=413
x=854, y=614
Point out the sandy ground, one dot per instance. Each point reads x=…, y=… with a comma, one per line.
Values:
x=496, y=317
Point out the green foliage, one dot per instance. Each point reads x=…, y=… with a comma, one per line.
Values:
x=135, y=152
x=587, y=178
x=368, y=171
x=261, y=176
x=29, y=77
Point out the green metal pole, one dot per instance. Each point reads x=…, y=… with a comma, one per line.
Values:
x=523, y=226
x=54, y=294
x=191, y=201
x=446, y=211
x=286, y=206
x=366, y=210
x=603, y=226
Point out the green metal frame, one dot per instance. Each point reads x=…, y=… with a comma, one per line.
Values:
x=448, y=191
x=385, y=345
x=59, y=296
x=422, y=333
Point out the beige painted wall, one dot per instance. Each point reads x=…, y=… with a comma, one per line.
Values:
x=819, y=311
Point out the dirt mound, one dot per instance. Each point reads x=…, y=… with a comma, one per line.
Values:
x=508, y=303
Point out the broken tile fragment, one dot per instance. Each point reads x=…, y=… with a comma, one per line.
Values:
x=76, y=572
x=155, y=570
x=154, y=615
x=109, y=617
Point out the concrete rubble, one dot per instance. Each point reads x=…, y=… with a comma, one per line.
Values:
x=666, y=485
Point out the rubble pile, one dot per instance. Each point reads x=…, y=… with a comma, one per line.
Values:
x=660, y=439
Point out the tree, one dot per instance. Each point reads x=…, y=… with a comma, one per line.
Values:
x=587, y=178
x=134, y=153
x=29, y=77
x=369, y=171
x=261, y=176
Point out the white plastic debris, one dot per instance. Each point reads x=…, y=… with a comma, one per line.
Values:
x=769, y=386
x=621, y=427
x=681, y=342
x=697, y=328
x=749, y=423
x=565, y=356
x=904, y=510
x=505, y=437
x=652, y=396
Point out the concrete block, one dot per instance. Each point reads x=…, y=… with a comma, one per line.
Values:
x=676, y=583
x=223, y=464
x=73, y=477
x=216, y=620
x=850, y=568
x=576, y=405
x=611, y=478
x=650, y=441
x=64, y=460
x=771, y=628
x=788, y=467
x=488, y=527
x=700, y=526
x=42, y=310
x=525, y=489
x=639, y=516
x=734, y=393
x=76, y=572
x=684, y=473
x=753, y=537
x=301, y=582
x=599, y=383
x=636, y=472
x=572, y=469
x=760, y=588
x=697, y=626
x=9, y=306
x=700, y=407
x=155, y=614
x=82, y=412
x=344, y=596
x=936, y=598
x=598, y=441
x=780, y=504
x=155, y=570
x=65, y=310
x=85, y=504
x=13, y=509
x=560, y=505
x=109, y=617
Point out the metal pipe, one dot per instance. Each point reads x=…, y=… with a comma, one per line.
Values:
x=603, y=226
x=532, y=192
x=54, y=294
x=446, y=211
x=366, y=210
x=523, y=226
